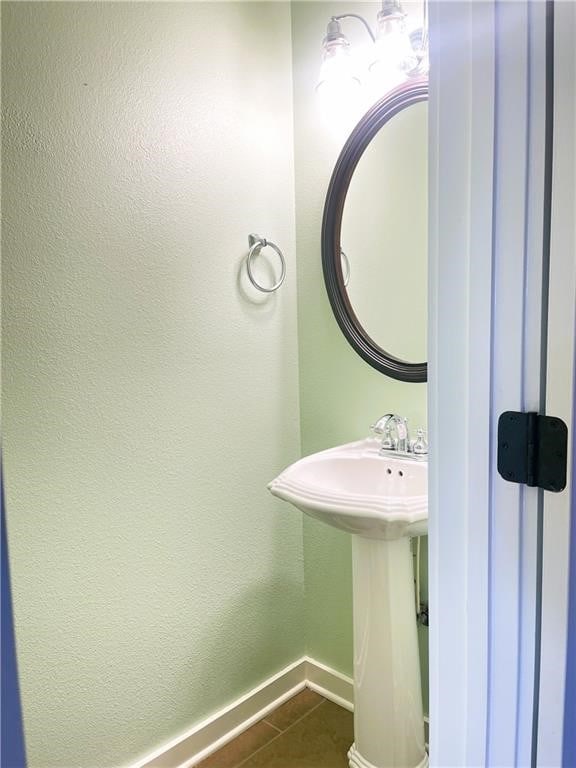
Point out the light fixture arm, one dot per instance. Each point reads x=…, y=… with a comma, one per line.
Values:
x=360, y=18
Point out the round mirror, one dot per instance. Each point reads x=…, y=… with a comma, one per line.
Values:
x=374, y=235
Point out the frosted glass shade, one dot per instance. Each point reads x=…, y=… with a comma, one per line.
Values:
x=393, y=56
x=337, y=73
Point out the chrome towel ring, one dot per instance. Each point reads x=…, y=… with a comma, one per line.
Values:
x=345, y=268
x=256, y=244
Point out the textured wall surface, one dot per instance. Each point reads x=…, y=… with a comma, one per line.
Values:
x=150, y=394
x=340, y=395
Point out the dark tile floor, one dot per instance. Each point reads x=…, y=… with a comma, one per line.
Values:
x=305, y=732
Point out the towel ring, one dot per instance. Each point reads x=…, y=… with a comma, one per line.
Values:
x=345, y=268
x=256, y=244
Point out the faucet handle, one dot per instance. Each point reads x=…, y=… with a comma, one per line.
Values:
x=420, y=446
x=402, y=429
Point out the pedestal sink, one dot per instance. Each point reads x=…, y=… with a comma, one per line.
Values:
x=383, y=501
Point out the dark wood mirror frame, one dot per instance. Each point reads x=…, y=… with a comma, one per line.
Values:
x=377, y=116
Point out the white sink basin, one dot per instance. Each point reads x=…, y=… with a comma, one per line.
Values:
x=354, y=488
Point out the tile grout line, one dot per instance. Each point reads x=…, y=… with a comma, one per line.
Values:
x=281, y=733
x=273, y=726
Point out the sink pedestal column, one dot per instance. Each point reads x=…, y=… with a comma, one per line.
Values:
x=388, y=718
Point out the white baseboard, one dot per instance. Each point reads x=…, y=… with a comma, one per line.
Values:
x=331, y=684
x=206, y=737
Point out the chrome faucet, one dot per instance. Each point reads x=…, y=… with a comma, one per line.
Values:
x=400, y=441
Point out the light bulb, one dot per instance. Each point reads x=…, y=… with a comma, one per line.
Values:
x=337, y=72
x=419, y=42
x=393, y=57
x=338, y=86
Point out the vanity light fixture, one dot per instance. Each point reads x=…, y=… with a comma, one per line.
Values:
x=395, y=57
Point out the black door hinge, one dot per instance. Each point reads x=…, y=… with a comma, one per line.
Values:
x=532, y=450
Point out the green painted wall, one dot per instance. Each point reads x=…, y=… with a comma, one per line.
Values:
x=340, y=395
x=150, y=395
x=150, y=392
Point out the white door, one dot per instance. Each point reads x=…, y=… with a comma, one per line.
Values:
x=553, y=726
x=491, y=350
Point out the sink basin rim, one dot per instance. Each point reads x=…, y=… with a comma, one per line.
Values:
x=414, y=508
x=393, y=508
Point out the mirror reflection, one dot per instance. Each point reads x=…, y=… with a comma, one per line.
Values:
x=384, y=235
